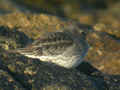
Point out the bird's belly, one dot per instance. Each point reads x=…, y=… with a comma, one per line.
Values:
x=64, y=61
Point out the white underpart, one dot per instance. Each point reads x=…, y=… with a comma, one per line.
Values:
x=67, y=62
x=69, y=59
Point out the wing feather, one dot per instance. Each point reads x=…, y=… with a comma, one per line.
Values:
x=52, y=43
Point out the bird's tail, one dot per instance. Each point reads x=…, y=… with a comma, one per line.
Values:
x=19, y=50
x=23, y=51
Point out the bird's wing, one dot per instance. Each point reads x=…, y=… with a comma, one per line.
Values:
x=52, y=43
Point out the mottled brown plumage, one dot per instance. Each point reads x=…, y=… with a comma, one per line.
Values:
x=66, y=48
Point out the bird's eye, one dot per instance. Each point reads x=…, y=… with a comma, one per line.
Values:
x=82, y=32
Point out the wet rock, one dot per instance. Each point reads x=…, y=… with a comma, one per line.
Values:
x=7, y=82
x=112, y=82
x=104, y=52
x=12, y=39
x=34, y=74
x=108, y=21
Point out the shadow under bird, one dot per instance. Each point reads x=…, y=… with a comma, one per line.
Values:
x=66, y=48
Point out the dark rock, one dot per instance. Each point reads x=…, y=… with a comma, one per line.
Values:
x=8, y=82
x=34, y=74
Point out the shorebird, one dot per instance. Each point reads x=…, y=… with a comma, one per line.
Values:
x=66, y=49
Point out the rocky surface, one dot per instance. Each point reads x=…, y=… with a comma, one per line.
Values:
x=99, y=72
x=8, y=82
x=36, y=75
x=104, y=53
